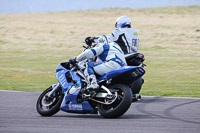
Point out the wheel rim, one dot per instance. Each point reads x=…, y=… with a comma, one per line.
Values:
x=120, y=96
x=47, y=103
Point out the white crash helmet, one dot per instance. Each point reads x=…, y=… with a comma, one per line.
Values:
x=122, y=21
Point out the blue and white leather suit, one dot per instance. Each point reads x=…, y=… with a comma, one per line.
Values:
x=109, y=57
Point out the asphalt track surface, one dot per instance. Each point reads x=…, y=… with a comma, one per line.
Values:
x=150, y=115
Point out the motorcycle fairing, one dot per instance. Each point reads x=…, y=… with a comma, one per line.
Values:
x=69, y=103
x=134, y=71
x=61, y=75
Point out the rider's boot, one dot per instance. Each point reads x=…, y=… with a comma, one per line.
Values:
x=92, y=82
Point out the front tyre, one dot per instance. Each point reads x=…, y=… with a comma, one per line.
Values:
x=48, y=106
x=121, y=104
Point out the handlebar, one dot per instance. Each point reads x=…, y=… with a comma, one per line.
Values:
x=88, y=47
x=73, y=68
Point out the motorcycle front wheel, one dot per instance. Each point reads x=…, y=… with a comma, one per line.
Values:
x=121, y=104
x=48, y=106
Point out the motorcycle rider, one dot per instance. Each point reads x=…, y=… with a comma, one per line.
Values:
x=127, y=38
x=109, y=57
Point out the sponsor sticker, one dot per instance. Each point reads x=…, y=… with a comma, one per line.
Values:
x=141, y=70
x=135, y=74
x=75, y=107
x=78, y=88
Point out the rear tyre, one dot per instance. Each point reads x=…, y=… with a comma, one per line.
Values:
x=48, y=106
x=121, y=104
x=137, y=85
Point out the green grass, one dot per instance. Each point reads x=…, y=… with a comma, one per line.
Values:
x=172, y=78
x=32, y=45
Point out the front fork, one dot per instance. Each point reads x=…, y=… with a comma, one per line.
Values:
x=55, y=87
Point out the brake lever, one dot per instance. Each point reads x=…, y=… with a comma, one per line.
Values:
x=84, y=47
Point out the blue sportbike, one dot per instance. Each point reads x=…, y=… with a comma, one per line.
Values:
x=111, y=100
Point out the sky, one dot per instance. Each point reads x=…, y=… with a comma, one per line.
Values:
x=24, y=6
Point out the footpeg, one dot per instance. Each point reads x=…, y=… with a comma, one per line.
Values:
x=136, y=97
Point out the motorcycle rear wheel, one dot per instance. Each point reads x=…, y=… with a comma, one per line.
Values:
x=137, y=85
x=48, y=106
x=120, y=106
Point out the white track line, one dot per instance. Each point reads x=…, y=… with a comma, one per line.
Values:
x=18, y=91
x=197, y=98
x=142, y=96
x=10, y=91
